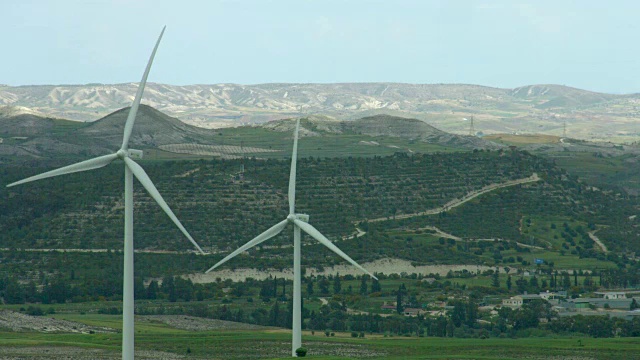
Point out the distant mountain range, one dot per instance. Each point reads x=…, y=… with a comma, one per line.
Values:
x=528, y=109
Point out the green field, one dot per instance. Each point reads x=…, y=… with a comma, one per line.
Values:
x=274, y=344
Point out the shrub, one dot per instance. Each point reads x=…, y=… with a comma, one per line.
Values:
x=301, y=352
x=35, y=311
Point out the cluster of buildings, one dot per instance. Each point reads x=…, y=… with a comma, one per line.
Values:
x=614, y=303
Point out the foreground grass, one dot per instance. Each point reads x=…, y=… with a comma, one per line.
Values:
x=275, y=344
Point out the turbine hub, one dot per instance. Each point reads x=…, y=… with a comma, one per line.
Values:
x=291, y=217
x=122, y=153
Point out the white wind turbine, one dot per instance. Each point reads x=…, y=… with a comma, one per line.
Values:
x=299, y=222
x=131, y=169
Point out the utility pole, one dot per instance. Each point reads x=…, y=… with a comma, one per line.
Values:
x=472, y=130
x=564, y=129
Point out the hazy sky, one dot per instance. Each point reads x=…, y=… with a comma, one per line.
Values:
x=586, y=44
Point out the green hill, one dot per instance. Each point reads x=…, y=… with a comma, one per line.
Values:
x=224, y=208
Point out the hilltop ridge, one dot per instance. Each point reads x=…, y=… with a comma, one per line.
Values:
x=380, y=125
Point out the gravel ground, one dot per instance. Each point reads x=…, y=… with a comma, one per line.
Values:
x=273, y=349
x=191, y=323
x=73, y=353
x=16, y=321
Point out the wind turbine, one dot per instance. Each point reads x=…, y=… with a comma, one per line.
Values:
x=131, y=169
x=299, y=222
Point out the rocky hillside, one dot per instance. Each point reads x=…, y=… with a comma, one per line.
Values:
x=152, y=129
x=22, y=121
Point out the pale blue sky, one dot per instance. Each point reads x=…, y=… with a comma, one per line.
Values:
x=587, y=44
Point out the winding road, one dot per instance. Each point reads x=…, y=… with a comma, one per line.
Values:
x=457, y=202
x=450, y=205
x=603, y=247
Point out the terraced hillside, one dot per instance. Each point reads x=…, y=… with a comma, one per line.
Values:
x=223, y=207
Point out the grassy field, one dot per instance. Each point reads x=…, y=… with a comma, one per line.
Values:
x=275, y=344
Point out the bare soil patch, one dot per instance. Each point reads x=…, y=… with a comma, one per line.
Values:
x=192, y=323
x=16, y=321
x=386, y=266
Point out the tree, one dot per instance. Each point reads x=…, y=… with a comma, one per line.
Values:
x=399, y=307
x=522, y=285
x=169, y=288
x=566, y=281
x=533, y=284
x=509, y=282
x=274, y=315
x=450, y=328
x=152, y=290
x=184, y=288
x=495, y=279
x=363, y=285
x=266, y=290
x=375, y=286
x=458, y=314
x=309, y=287
x=138, y=288
x=31, y=292
x=14, y=293
x=471, y=315
x=337, y=286
x=634, y=304
x=324, y=286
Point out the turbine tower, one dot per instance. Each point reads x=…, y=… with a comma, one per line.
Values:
x=131, y=169
x=299, y=222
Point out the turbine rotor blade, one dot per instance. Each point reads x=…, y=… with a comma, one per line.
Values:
x=144, y=179
x=268, y=234
x=292, y=174
x=326, y=242
x=128, y=126
x=90, y=164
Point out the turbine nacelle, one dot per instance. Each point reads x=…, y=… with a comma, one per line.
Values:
x=130, y=153
x=301, y=217
x=136, y=154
